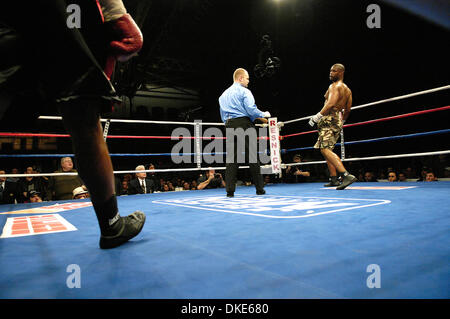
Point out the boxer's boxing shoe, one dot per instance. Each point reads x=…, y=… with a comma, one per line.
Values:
x=347, y=180
x=333, y=182
x=127, y=228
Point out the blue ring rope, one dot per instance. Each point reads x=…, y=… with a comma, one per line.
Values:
x=378, y=139
x=223, y=153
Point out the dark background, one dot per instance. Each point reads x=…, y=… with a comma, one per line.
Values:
x=198, y=44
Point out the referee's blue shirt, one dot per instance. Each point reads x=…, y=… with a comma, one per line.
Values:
x=238, y=101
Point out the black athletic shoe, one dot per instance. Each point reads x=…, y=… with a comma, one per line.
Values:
x=334, y=181
x=260, y=192
x=347, y=180
x=230, y=194
x=332, y=184
x=131, y=226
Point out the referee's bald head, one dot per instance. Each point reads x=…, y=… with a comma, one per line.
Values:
x=238, y=73
x=241, y=76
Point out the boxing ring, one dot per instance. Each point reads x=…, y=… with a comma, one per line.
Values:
x=372, y=240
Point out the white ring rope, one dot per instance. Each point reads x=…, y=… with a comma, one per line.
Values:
x=45, y=117
x=128, y=172
x=375, y=157
x=446, y=87
x=223, y=168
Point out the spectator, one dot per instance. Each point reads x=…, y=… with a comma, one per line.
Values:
x=447, y=172
x=381, y=174
x=8, y=190
x=423, y=174
x=80, y=193
x=210, y=180
x=123, y=190
x=161, y=184
x=194, y=185
x=152, y=176
x=140, y=185
x=127, y=177
x=360, y=176
x=61, y=187
x=402, y=177
x=369, y=177
x=43, y=179
x=430, y=177
x=409, y=173
x=165, y=188
x=186, y=186
x=30, y=183
x=294, y=174
x=392, y=176
x=14, y=179
x=34, y=197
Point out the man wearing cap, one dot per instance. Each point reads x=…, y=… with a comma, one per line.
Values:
x=34, y=197
x=30, y=183
x=80, y=193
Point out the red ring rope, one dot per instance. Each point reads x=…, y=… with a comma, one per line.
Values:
x=118, y=136
x=223, y=138
x=379, y=120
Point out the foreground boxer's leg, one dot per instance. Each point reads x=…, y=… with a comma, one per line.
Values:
x=94, y=166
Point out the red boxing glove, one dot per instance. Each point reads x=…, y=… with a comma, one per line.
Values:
x=127, y=38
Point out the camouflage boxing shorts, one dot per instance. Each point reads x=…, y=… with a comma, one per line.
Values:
x=329, y=128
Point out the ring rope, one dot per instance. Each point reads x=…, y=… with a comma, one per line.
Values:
x=378, y=139
x=8, y=134
x=112, y=154
x=127, y=172
x=446, y=87
x=223, y=168
x=59, y=118
x=375, y=157
x=215, y=137
x=45, y=117
x=379, y=120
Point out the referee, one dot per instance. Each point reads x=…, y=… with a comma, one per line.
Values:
x=238, y=111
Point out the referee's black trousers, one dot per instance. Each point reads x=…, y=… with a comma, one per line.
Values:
x=232, y=164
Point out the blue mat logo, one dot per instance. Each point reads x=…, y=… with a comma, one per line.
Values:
x=274, y=206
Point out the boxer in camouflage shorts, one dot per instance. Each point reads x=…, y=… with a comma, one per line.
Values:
x=329, y=131
x=338, y=98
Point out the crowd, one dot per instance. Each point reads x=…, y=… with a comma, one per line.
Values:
x=41, y=188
